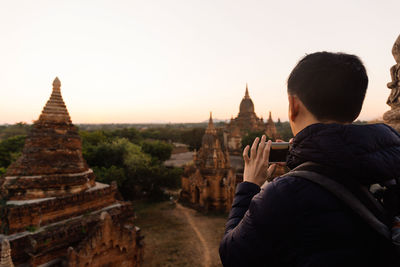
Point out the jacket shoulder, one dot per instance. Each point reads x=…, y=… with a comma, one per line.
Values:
x=293, y=195
x=279, y=200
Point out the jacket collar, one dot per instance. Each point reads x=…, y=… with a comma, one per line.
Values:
x=369, y=153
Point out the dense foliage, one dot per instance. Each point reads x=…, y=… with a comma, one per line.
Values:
x=10, y=149
x=134, y=163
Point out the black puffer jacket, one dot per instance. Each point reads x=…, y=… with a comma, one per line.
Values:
x=294, y=222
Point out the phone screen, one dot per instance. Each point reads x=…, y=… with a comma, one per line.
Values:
x=278, y=152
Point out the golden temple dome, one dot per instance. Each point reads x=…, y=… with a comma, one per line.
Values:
x=246, y=106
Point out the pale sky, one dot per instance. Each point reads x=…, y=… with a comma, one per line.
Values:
x=174, y=61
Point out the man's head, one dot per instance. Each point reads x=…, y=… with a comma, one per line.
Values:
x=326, y=87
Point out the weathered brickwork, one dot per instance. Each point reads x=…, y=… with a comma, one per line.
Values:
x=53, y=212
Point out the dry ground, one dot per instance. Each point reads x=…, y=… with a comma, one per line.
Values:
x=179, y=236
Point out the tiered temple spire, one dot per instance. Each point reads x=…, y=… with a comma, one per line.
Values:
x=51, y=163
x=55, y=109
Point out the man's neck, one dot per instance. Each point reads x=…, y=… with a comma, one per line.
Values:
x=298, y=127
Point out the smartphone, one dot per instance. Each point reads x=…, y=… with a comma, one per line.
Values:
x=278, y=152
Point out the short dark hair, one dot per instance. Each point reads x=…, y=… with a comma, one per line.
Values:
x=332, y=86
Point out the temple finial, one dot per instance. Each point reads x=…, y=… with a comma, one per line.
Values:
x=246, y=95
x=55, y=109
x=210, y=127
x=56, y=83
x=270, y=118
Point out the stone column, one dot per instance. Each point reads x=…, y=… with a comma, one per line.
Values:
x=5, y=257
x=392, y=117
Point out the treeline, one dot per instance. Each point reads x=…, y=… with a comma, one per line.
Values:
x=20, y=128
x=130, y=157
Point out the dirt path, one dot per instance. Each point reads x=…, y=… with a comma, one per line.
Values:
x=206, y=249
x=175, y=235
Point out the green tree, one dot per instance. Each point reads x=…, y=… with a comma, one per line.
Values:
x=136, y=167
x=157, y=149
x=131, y=134
x=107, y=175
x=134, y=159
x=10, y=149
x=92, y=138
x=163, y=133
x=119, y=152
x=193, y=137
x=104, y=155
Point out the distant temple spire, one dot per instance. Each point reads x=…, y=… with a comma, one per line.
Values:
x=271, y=131
x=210, y=128
x=246, y=95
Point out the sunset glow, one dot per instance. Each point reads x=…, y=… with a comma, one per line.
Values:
x=174, y=61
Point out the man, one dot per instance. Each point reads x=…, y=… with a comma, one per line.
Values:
x=292, y=221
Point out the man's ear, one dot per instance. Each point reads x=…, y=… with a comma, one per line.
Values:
x=294, y=107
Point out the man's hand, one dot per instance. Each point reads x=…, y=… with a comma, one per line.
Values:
x=256, y=166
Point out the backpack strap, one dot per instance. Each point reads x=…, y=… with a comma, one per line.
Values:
x=361, y=192
x=343, y=194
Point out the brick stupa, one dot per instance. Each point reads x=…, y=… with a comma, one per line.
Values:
x=53, y=211
x=51, y=163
